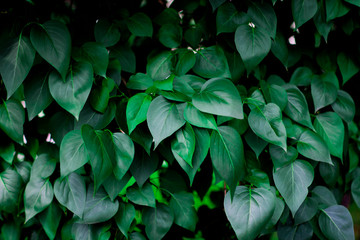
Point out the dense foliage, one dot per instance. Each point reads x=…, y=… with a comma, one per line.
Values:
x=191, y=119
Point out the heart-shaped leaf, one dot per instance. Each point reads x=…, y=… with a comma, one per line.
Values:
x=157, y=221
x=12, y=118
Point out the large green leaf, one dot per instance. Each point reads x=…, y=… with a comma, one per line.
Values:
x=37, y=94
x=344, y=106
x=211, y=63
x=220, y=97
x=323, y=92
x=142, y=196
x=140, y=25
x=227, y=155
x=297, y=108
x=197, y=118
x=50, y=220
x=331, y=128
x=336, y=223
x=106, y=33
x=70, y=191
x=253, y=43
x=335, y=9
x=95, y=54
x=98, y=206
x=249, y=211
x=124, y=154
x=266, y=122
x=157, y=221
x=183, y=145
x=164, y=118
x=303, y=11
x=124, y=217
x=256, y=143
x=293, y=181
x=136, y=110
x=38, y=195
x=10, y=189
x=186, y=61
x=72, y=93
x=182, y=205
x=312, y=146
x=52, y=41
x=12, y=118
x=17, y=58
x=324, y=197
x=280, y=49
x=43, y=166
x=301, y=76
x=228, y=18
x=263, y=16
x=170, y=35
x=306, y=211
x=73, y=153
x=274, y=94
x=159, y=65
x=347, y=67
x=281, y=158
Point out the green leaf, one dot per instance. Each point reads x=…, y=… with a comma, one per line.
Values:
x=249, y=211
x=70, y=191
x=324, y=197
x=10, y=231
x=297, y=108
x=95, y=54
x=124, y=154
x=280, y=158
x=52, y=41
x=183, y=145
x=164, y=118
x=344, y=106
x=336, y=223
x=136, y=236
x=10, y=189
x=12, y=118
x=321, y=24
x=140, y=81
x=290, y=232
x=306, y=212
x=293, y=181
x=95, y=119
x=312, y=146
x=186, y=61
x=7, y=152
x=280, y=49
x=143, y=166
x=37, y=94
x=354, y=2
x=82, y=232
x=228, y=18
x=106, y=33
x=330, y=174
x=266, y=122
x=188, y=84
x=137, y=109
x=182, y=205
x=142, y=196
x=73, y=153
x=126, y=57
x=355, y=190
x=157, y=221
x=216, y=3
x=220, y=97
x=50, y=220
x=43, y=166
x=331, y=128
x=301, y=76
x=274, y=94
x=99, y=146
x=23, y=169
x=227, y=155
x=140, y=25
x=114, y=186
x=38, y=195
x=17, y=58
x=263, y=16
x=347, y=67
x=303, y=11
x=170, y=35
x=253, y=44
x=335, y=9
x=72, y=93
x=323, y=92
x=256, y=143
x=124, y=217
x=98, y=206
x=258, y=178
x=211, y=63
x=169, y=15
x=159, y=66
x=193, y=116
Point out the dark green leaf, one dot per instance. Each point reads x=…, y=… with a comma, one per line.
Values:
x=10, y=231
x=324, y=197
x=124, y=217
x=354, y=2
x=355, y=190
x=281, y=158
x=106, y=33
x=140, y=25
x=344, y=106
x=61, y=123
x=23, y=169
x=263, y=16
x=274, y=94
x=330, y=173
x=137, y=109
x=157, y=221
x=302, y=76
x=50, y=220
x=17, y=59
x=140, y=81
x=303, y=11
x=249, y=211
x=10, y=189
x=52, y=41
x=142, y=196
x=256, y=143
x=43, y=166
x=170, y=35
x=124, y=154
x=321, y=24
x=95, y=119
x=228, y=18
x=159, y=66
x=288, y=232
x=72, y=93
x=114, y=187
x=182, y=205
x=126, y=57
x=335, y=9
x=280, y=49
x=169, y=15
x=186, y=61
x=7, y=152
x=323, y=92
x=143, y=166
x=258, y=178
x=12, y=118
x=216, y=3
x=183, y=145
x=347, y=67
x=306, y=212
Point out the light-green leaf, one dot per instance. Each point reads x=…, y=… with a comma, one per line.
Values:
x=249, y=211
x=43, y=166
x=293, y=181
x=17, y=58
x=12, y=118
x=140, y=25
x=52, y=41
x=72, y=93
x=140, y=81
x=197, y=118
x=303, y=11
x=137, y=109
x=183, y=145
x=157, y=221
x=220, y=97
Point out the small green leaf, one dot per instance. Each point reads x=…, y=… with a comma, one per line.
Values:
x=124, y=154
x=301, y=76
x=220, y=97
x=7, y=152
x=164, y=118
x=143, y=166
x=323, y=26
x=216, y=3
x=183, y=145
x=347, y=67
x=170, y=35
x=140, y=81
x=290, y=232
x=169, y=15
x=17, y=58
x=10, y=188
x=249, y=211
x=124, y=217
x=256, y=143
x=114, y=187
x=344, y=106
x=157, y=221
x=199, y=119
x=159, y=66
x=142, y=196
x=106, y=33
x=126, y=57
x=140, y=25
x=355, y=190
x=335, y=9
x=228, y=18
x=137, y=109
x=303, y=11
x=186, y=61
x=281, y=158
x=354, y=2
x=336, y=223
x=306, y=211
x=293, y=181
x=324, y=197
x=12, y=118
x=280, y=49
x=52, y=41
x=10, y=231
x=312, y=146
x=72, y=93
x=263, y=15
x=182, y=205
x=323, y=92
x=50, y=220
x=43, y=166
x=274, y=94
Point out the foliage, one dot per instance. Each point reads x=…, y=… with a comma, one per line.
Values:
x=188, y=119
